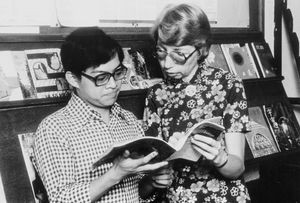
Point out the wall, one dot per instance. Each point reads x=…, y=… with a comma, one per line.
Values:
x=289, y=69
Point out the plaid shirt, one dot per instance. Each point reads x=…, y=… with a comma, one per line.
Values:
x=70, y=140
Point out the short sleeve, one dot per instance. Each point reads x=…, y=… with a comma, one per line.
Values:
x=236, y=118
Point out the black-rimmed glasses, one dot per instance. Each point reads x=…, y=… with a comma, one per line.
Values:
x=103, y=78
x=176, y=56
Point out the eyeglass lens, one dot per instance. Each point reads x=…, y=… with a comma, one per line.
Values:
x=177, y=57
x=118, y=74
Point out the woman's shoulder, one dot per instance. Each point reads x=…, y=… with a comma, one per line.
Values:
x=222, y=74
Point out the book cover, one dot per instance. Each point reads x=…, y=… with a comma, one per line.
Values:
x=216, y=58
x=10, y=89
x=260, y=138
x=138, y=76
x=240, y=60
x=26, y=141
x=264, y=58
x=47, y=73
x=283, y=124
x=24, y=75
x=181, y=149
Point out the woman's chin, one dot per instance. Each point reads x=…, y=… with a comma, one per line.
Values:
x=174, y=75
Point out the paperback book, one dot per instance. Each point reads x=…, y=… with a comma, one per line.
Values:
x=260, y=139
x=10, y=89
x=138, y=76
x=240, y=60
x=264, y=58
x=26, y=141
x=216, y=58
x=182, y=149
x=47, y=73
x=24, y=75
x=283, y=125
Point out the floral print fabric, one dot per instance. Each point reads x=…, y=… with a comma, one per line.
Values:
x=174, y=106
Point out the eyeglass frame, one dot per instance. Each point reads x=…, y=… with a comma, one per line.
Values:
x=185, y=57
x=94, y=79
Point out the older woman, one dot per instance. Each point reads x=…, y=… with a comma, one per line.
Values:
x=193, y=91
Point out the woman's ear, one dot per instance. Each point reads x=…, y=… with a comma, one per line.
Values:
x=204, y=51
x=72, y=79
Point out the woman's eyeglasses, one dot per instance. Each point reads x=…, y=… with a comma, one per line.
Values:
x=104, y=77
x=176, y=56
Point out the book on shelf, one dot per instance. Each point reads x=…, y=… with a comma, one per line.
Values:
x=264, y=58
x=26, y=141
x=10, y=89
x=240, y=60
x=283, y=124
x=216, y=57
x=24, y=76
x=181, y=149
x=47, y=73
x=260, y=139
x=138, y=76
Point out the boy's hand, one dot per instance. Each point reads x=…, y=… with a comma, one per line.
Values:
x=163, y=177
x=124, y=165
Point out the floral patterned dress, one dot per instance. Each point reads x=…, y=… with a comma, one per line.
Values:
x=172, y=107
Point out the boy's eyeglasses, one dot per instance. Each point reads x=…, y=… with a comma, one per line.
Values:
x=177, y=57
x=104, y=77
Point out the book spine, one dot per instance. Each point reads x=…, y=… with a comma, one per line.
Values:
x=258, y=60
x=267, y=117
x=255, y=68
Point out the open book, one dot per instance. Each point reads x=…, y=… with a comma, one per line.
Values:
x=182, y=149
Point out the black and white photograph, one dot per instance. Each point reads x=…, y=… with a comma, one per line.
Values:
x=149, y=101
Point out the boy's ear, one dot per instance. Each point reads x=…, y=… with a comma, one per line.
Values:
x=72, y=79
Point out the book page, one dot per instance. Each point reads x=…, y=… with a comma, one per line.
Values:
x=186, y=152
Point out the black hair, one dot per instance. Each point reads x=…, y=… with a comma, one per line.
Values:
x=88, y=47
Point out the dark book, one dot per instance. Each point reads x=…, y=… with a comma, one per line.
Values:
x=181, y=149
x=260, y=139
x=264, y=58
x=240, y=60
x=283, y=125
x=216, y=58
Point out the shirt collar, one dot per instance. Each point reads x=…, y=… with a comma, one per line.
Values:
x=82, y=113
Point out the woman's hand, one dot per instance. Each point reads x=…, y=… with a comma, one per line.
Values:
x=124, y=165
x=210, y=148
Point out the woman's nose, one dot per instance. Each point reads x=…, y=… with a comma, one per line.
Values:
x=168, y=62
